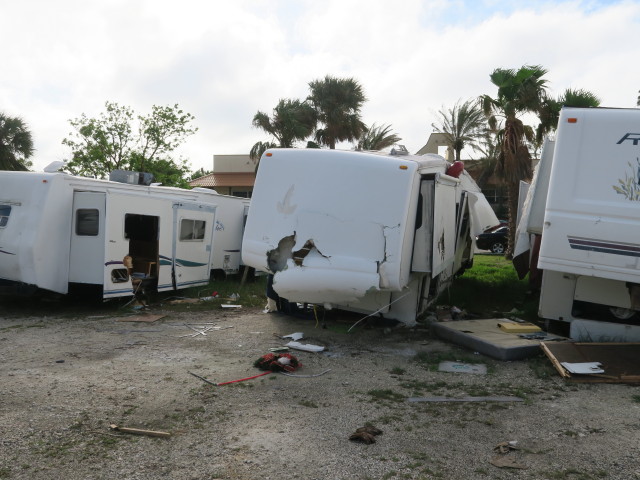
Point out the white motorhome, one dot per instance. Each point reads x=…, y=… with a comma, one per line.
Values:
x=365, y=232
x=59, y=232
x=584, y=201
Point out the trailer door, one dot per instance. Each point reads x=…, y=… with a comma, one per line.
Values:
x=423, y=237
x=86, y=256
x=193, y=225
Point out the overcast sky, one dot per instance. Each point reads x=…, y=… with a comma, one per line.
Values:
x=223, y=60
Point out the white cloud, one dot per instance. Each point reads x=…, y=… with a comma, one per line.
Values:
x=224, y=60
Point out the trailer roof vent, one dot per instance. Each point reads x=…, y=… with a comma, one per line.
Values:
x=132, y=178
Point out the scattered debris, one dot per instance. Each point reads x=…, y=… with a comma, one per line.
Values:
x=230, y=305
x=147, y=318
x=503, y=460
x=457, y=367
x=583, y=367
x=227, y=383
x=279, y=349
x=465, y=399
x=365, y=434
x=203, y=329
x=137, y=431
x=294, y=336
x=618, y=360
x=278, y=362
x=306, y=347
x=506, y=447
x=515, y=327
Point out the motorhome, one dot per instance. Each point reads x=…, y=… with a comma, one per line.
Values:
x=376, y=233
x=583, y=210
x=63, y=233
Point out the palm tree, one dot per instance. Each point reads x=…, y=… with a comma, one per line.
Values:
x=16, y=144
x=549, y=112
x=377, y=138
x=292, y=120
x=519, y=92
x=462, y=125
x=337, y=102
x=258, y=149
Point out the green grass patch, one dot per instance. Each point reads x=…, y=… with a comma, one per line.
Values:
x=491, y=288
x=386, y=395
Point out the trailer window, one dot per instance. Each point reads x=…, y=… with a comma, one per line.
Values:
x=87, y=222
x=192, y=230
x=5, y=211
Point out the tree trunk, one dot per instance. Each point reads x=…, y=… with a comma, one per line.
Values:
x=513, y=191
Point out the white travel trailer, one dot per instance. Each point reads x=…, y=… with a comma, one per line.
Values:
x=365, y=232
x=584, y=201
x=60, y=233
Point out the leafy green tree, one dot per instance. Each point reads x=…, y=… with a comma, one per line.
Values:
x=201, y=172
x=337, y=102
x=16, y=144
x=549, y=112
x=463, y=125
x=377, y=138
x=519, y=91
x=119, y=139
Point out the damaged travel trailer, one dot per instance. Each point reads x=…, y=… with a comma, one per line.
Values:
x=63, y=234
x=581, y=220
x=366, y=232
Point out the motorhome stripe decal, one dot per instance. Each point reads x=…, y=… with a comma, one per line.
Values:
x=602, y=246
x=187, y=263
x=8, y=253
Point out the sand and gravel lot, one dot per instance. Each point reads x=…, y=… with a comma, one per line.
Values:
x=68, y=375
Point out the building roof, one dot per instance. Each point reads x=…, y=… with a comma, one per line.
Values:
x=225, y=179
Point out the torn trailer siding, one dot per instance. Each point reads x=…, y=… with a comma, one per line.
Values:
x=339, y=228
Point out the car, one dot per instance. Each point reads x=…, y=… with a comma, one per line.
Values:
x=503, y=223
x=496, y=241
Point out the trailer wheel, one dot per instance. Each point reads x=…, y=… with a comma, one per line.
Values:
x=497, y=247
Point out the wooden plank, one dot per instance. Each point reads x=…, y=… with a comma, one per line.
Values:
x=138, y=431
x=620, y=361
x=554, y=361
x=147, y=318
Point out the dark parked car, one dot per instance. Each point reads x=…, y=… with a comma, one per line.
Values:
x=496, y=241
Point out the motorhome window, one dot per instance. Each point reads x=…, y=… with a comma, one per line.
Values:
x=192, y=230
x=87, y=224
x=5, y=211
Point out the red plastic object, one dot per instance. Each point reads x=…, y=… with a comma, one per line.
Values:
x=456, y=169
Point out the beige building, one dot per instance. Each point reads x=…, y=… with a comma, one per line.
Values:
x=232, y=175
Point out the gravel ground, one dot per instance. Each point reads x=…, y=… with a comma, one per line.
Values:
x=67, y=377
